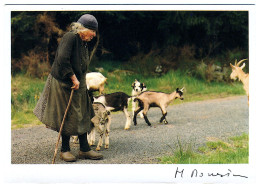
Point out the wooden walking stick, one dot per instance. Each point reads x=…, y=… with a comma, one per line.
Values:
x=61, y=126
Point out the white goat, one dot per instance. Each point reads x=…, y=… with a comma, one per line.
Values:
x=237, y=72
x=101, y=121
x=95, y=82
x=149, y=99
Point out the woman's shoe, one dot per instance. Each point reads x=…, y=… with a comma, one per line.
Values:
x=67, y=156
x=90, y=155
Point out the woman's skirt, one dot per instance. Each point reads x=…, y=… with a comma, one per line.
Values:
x=53, y=102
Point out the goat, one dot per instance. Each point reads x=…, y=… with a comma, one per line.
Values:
x=95, y=82
x=149, y=99
x=102, y=122
x=138, y=88
x=237, y=72
x=116, y=102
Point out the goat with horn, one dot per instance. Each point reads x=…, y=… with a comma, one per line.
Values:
x=237, y=72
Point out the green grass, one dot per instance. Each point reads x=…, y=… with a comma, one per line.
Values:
x=26, y=90
x=234, y=151
x=25, y=94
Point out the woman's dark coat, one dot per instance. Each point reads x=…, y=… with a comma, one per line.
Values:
x=71, y=58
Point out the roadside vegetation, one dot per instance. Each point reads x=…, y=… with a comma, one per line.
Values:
x=233, y=151
x=26, y=90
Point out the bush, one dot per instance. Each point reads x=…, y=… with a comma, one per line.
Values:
x=35, y=64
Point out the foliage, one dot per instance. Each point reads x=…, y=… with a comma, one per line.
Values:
x=31, y=42
x=174, y=38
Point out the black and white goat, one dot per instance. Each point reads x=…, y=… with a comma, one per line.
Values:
x=138, y=88
x=116, y=102
x=149, y=99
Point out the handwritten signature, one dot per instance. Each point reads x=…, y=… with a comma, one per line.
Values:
x=196, y=174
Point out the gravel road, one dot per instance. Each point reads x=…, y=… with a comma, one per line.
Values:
x=193, y=123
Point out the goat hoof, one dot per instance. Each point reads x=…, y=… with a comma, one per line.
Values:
x=127, y=128
x=106, y=146
x=98, y=149
x=165, y=122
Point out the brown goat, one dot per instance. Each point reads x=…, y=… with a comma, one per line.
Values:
x=149, y=99
x=237, y=72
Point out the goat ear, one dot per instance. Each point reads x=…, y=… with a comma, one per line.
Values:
x=133, y=84
x=95, y=120
x=243, y=66
x=177, y=89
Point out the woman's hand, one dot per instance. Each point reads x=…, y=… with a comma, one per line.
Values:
x=75, y=82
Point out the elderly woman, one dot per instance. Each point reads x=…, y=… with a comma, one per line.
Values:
x=68, y=72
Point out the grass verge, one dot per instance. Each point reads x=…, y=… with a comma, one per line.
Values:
x=26, y=91
x=234, y=151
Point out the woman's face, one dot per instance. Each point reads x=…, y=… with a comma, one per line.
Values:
x=87, y=35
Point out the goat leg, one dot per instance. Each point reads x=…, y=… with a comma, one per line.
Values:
x=100, y=143
x=91, y=137
x=135, y=114
x=128, y=119
x=163, y=119
x=146, y=120
x=107, y=139
x=107, y=133
x=134, y=119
